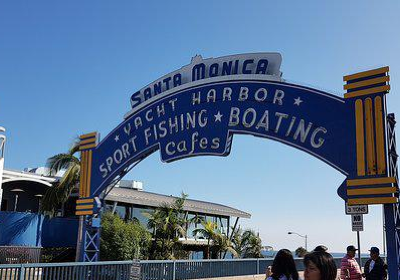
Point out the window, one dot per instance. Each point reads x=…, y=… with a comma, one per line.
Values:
x=224, y=225
x=121, y=211
x=191, y=225
x=109, y=206
x=4, y=204
x=210, y=219
x=141, y=214
x=200, y=218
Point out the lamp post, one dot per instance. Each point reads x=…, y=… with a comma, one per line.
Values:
x=304, y=236
x=16, y=191
x=2, y=148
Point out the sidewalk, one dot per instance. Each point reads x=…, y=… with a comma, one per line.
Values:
x=256, y=277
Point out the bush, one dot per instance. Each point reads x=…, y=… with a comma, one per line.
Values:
x=122, y=240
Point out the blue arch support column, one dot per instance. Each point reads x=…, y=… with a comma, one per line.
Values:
x=88, y=206
x=375, y=180
x=392, y=212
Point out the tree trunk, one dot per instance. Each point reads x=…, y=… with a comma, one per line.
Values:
x=208, y=249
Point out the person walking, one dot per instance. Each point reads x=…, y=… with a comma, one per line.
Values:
x=283, y=267
x=319, y=265
x=375, y=268
x=349, y=268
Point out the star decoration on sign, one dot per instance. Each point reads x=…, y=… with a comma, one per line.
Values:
x=116, y=138
x=218, y=117
x=297, y=101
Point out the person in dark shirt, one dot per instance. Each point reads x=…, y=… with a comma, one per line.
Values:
x=375, y=268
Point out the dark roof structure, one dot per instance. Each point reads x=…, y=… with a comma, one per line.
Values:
x=132, y=196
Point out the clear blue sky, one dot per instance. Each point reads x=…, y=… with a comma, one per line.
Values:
x=69, y=67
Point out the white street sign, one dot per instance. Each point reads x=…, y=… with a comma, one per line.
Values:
x=357, y=223
x=356, y=209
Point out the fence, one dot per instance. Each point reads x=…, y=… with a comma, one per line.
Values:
x=196, y=269
x=19, y=254
x=119, y=270
x=145, y=270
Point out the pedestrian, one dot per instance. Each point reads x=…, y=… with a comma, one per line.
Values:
x=283, y=267
x=375, y=268
x=319, y=265
x=349, y=268
x=321, y=248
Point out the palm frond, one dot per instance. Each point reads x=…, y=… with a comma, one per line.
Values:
x=68, y=182
x=232, y=251
x=60, y=192
x=61, y=161
x=74, y=147
x=50, y=202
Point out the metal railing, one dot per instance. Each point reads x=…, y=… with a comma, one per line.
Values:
x=19, y=254
x=144, y=270
x=198, y=269
x=117, y=270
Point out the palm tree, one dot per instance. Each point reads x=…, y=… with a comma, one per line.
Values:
x=196, y=219
x=208, y=232
x=247, y=244
x=59, y=193
x=253, y=244
x=238, y=241
x=168, y=224
x=222, y=244
x=300, y=252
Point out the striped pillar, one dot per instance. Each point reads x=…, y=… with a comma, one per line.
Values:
x=85, y=203
x=371, y=184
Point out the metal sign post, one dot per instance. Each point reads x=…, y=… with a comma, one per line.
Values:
x=359, y=248
x=357, y=225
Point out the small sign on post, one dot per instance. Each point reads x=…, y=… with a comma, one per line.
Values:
x=357, y=223
x=356, y=209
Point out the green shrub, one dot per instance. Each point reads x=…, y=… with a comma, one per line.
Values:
x=122, y=240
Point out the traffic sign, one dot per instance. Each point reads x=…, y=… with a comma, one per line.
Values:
x=356, y=209
x=357, y=222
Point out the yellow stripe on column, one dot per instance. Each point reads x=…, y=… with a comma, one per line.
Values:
x=369, y=133
x=362, y=191
x=379, y=132
x=85, y=200
x=367, y=91
x=366, y=73
x=87, y=141
x=89, y=173
x=369, y=82
x=88, y=146
x=82, y=179
x=87, y=206
x=371, y=181
x=84, y=174
x=84, y=212
x=360, y=138
x=92, y=134
x=372, y=200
